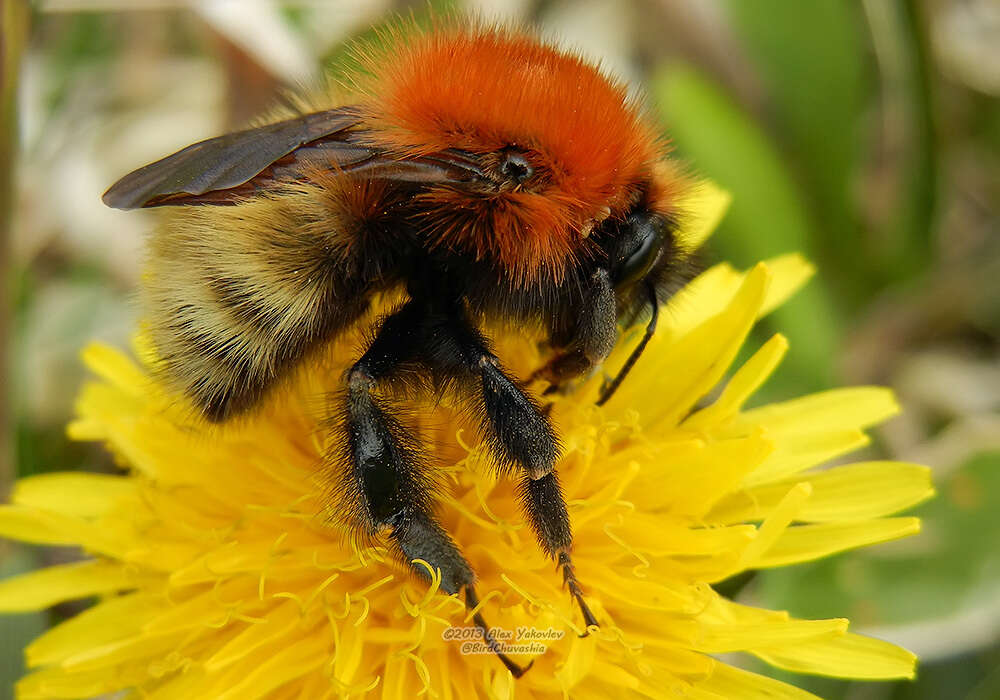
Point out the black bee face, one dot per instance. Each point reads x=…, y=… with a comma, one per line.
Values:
x=635, y=246
x=641, y=253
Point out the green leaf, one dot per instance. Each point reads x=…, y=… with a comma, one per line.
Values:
x=767, y=217
x=811, y=59
x=18, y=630
x=902, y=32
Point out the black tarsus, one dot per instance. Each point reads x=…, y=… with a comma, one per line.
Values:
x=471, y=602
x=571, y=582
x=545, y=506
x=608, y=391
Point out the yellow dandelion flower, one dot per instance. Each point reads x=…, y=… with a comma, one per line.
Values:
x=220, y=574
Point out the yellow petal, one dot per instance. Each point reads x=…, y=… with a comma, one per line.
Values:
x=44, y=527
x=807, y=542
x=700, y=478
x=675, y=377
x=30, y=525
x=349, y=650
x=209, y=608
x=125, y=650
x=776, y=525
x=49, y=683
x=850, y=492
x=797, y=452
x=837, y=409
x=656, y=535
x=271, y=669
x=704, y=206
x=717, y=639
x=86, y=429
x=732, y=683
x=648, y=595
x=849, y=656
x=579, y=661
x=672, y=691
x=117, y=368
x=744, y=382
x=274, y=624
x=721, y=610
x=704, y=297
x=396, y=684
x=73, y=493
x=40, y=589
x=181, y=686
x=713, y=290
x=109, y=621
x=790, y=272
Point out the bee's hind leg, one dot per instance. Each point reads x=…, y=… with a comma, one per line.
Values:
x=388, y=479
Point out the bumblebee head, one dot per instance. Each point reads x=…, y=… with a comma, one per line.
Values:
x=560, y=146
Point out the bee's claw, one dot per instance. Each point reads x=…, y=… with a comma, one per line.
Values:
x=588, y=617
x=569, y=579
x=471, y=601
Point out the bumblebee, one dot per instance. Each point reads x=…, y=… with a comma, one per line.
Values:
x=484, y=175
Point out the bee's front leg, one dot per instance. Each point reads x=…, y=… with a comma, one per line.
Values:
x=593, y=337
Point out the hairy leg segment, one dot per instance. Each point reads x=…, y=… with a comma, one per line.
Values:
x=520, y=435
x=593, y=338
x=391, y=484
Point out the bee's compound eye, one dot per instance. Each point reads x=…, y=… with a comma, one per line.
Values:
x=642, y=246
x=515, y=167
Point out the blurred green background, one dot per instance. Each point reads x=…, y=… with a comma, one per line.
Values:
x=864, y=134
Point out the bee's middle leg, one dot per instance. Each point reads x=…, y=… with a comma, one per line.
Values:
x=389, y=483
x=520, y=434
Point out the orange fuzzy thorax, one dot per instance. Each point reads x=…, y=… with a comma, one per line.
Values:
x=482, y=90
